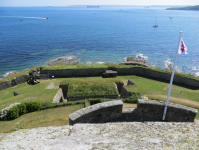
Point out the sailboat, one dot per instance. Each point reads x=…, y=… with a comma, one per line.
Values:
x=156, y=25
x=171, y=15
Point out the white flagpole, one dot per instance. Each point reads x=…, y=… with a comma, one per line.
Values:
x=171, y=81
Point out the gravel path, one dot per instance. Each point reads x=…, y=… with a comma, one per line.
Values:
x=119, y=136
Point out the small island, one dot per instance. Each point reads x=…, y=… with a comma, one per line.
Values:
x=185, y=8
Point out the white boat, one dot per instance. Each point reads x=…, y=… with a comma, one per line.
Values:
x=171, y=16
x=156, y=25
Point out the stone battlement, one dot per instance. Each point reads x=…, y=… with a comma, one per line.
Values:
x=147, y=110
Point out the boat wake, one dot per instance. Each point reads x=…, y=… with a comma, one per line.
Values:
x=26, y=17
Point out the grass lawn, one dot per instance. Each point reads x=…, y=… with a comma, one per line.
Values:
x=154, y=89
x=44, y=118
x=91, y=87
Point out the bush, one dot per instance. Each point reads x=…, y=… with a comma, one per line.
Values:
x=13, y=112
x=22, y=109
x=134, y=96
x=95, y=100
x=33, y=106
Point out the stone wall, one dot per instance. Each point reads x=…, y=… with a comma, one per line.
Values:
x=5, y=85
x=153, y=110
x=64, y=90
x=147, y=110
x=21, y=79
x=97, y=113
x=123, y=71
x=58, y=97
x=18, y=80
x=124, y=92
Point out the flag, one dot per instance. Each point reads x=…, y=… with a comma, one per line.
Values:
x=182, y=48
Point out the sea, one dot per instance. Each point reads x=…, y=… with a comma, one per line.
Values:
x=32, y=36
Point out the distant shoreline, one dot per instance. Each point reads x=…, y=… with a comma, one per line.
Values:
x=196, y=8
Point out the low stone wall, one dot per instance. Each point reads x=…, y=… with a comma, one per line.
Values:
x=58, y=97
x=153, y=110
x=5, y=85
x=123, y=71
x=124, y=92
x=21, y=79
x=97, y=113
x=147, y=110
x=18, y=80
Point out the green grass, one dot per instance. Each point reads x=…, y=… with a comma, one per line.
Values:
x=18, y=74
x=27, y=92
x=44, y=118
x=106, y=65
x=154, y=89
x=90, y=87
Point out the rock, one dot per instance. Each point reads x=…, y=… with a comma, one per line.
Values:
x=131, y=83
x=130, y=58
x=4, y=112
x=16, y=93
x=16, y=129
x=109, y=73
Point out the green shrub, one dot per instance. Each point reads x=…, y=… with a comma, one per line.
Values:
x=22, y=108
x=33, y=106
x=95, y=100
x=134, y=96
x=13, y=112
x=47, y=105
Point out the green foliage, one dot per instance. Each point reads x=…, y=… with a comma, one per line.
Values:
x=33, y=106
x=13, y=112
x=22, y=108
x=134, y=96
x=31, y=71
x=95, y=100
x=47, y=105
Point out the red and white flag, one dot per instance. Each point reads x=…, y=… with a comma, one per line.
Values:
x=182, y=49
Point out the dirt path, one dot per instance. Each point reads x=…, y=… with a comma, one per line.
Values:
x=182, y=101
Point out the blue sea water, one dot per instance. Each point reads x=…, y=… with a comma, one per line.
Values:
x=105, y=34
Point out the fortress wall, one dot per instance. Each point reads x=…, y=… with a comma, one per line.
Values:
x=124, y=92
x=147, y=110
x=5, y=85
x=18, y=80
x=21, y=79
x=97, y=113
x=153, y=110
x=123, y=71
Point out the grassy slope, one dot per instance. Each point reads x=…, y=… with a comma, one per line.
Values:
x=154, y=89
x=48, y=117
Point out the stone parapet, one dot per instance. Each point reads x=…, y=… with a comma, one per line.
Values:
x=97, y=113
x=153, y=110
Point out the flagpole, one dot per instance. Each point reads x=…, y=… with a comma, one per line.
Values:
x=171, y=81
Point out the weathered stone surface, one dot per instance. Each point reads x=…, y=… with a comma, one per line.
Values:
x=109, y=73
x=147, y=110
x=4, y=112
x=59, y=97
x=50, y=86
x=15, y=93
x=153, y=110
x=120, y=136
x=124, y=92
x=123, y=71
x=97, y=113
x=131, y=83
x=5, y=85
